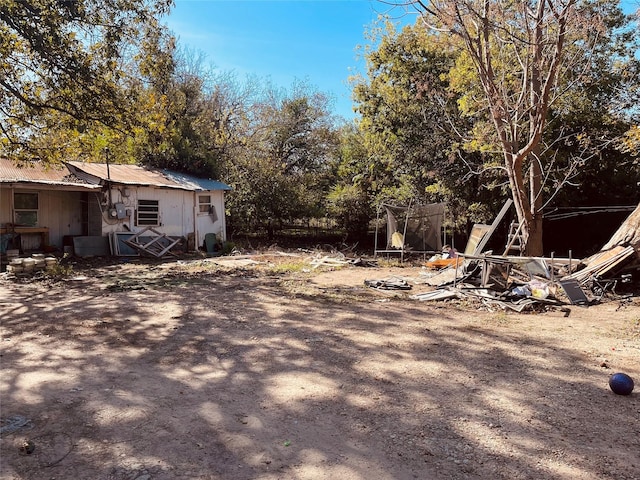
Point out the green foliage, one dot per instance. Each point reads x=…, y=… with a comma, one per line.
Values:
x=282, y=170
x=59, y=270
x=349, y=200
x=413, y=131
x=83, y=76
x=630, y=141
x=521, y=63
x=64, y=65
x=587, y=160
x=122, y=88
x=349, y=206
x=184, y=135
x=228, y=248
x=451, y=116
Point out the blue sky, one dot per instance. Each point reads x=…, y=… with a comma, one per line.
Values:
x=287, y=40
x=282, y=40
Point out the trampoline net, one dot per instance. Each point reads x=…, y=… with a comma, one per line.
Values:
x=423, y=227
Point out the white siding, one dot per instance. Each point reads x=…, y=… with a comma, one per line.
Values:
x=72, y=213
x=175, y=210
x=58, y=210
x=205, y=223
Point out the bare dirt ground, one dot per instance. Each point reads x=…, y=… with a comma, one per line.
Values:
x=263, y=369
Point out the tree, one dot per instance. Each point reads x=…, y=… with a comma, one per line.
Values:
x=350, y=198
x=525, y=57
x=281, y=171
x=65, y=61
x=631, y=141
x=195, y=113
x=412, y=129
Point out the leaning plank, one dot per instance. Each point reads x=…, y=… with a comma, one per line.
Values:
x=494, y=225
x=601, y=264
x=629, y=251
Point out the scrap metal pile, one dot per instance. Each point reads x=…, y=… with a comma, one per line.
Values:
x=524, y=283
x=519, y=283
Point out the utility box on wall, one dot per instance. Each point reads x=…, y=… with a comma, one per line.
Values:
x=120, y=210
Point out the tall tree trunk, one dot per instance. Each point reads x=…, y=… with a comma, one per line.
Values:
x=526, y=204
x=534, y=245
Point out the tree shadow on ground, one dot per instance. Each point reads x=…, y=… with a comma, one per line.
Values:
x=228, y=377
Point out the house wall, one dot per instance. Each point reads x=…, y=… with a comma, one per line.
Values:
x=205, y=223
x=58, y=210
x=178, y=214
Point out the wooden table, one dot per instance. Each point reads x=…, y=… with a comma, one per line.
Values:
x=42, y=231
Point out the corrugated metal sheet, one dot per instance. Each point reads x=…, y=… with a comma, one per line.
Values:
x=124, y=174
x=194, y=182
x=92, y=175
x=37, y=172
x=136, y=175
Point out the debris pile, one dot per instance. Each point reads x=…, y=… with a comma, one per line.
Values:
x=521, y=283
x=392, y=283
x=336, y=260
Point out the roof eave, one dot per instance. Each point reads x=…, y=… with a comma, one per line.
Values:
x=69, y=186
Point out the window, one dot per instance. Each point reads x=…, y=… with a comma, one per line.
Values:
x=148, y=213
x=206, y=207
x=25, y=206
x=204, y=203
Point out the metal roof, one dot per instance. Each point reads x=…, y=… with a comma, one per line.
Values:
x=195, y=182
x=137, y=175
x=38, y=173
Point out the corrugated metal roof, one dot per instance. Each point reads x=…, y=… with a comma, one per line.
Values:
x=195, y=182
x=125, y=174
x=92, y=175
x=137, y=175
x=37, y=172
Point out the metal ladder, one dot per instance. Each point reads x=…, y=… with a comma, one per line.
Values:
x=514, y=239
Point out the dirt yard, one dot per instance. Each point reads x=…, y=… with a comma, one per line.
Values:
x=266, y=368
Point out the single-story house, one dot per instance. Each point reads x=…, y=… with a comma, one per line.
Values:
x=44, y=208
